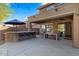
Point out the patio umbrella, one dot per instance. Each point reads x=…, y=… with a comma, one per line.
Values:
x=14, y=22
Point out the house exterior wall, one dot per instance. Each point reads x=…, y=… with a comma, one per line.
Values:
x=61, y=11
x=76, y=29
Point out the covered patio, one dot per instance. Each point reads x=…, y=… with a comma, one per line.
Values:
x=50, y=24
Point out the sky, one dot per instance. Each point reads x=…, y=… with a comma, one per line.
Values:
x=23, y=10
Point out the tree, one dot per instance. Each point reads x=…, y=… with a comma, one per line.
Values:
x=5, y=11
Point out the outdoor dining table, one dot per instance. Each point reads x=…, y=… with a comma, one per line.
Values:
x=51, y=34
x=15, y=36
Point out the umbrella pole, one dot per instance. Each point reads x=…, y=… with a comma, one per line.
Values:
x=16, y=28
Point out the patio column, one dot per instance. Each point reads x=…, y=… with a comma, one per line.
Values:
x=76, y=29
x=29, y=26
x=54, y=24
x=68, y=30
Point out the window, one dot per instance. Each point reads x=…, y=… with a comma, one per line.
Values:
x=42, y=29
x=49, y=7
x=53, y=6
x=43, y=26
x=48, y=28
x=58, y=4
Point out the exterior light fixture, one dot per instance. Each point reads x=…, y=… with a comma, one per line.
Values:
x=56, y=9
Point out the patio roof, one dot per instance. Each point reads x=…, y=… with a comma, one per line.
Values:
x=59, y=16
x=45, y=5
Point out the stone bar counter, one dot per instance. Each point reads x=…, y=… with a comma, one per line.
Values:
x=18, y=36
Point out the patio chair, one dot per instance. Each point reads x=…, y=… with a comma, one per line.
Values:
x=26, y=35
x=42, y=34
x=32, y=34
x=23, y=36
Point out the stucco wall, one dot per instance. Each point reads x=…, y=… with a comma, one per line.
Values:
x=60, y=10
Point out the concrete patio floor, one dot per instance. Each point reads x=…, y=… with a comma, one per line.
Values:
x=39, y=47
